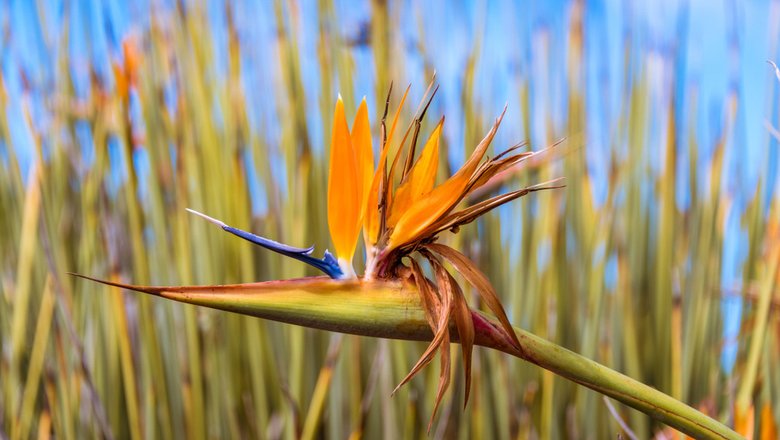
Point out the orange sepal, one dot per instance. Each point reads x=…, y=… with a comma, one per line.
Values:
x=744, y=420
x=421, y=177
x=441, y=199
x=768, y=425
x=344, y=207
x=364, y=151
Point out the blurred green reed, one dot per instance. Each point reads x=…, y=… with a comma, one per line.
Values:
x=81, y=360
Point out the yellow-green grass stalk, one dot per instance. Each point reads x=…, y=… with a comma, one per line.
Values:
x=743, y=405
x=21, y=429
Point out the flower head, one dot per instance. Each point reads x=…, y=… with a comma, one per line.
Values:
x=401, y=212
x=351, y=169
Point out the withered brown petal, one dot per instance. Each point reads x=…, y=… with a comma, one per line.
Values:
x=444, y=375
x=465, y=324
x=461, y=315
x=442, y=310
x=480, y=282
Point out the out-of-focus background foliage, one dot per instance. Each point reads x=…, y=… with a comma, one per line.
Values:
x=659, y=258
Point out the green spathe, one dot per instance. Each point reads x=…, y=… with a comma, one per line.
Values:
x=391, y=309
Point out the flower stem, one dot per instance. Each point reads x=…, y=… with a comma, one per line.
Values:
x=633, y=393
x=392, y=309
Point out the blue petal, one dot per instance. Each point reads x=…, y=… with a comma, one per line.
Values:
x=328, y=264
x=267, y=243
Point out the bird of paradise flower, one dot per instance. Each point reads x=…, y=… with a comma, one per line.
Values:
x=402, y=213
x=401, y=219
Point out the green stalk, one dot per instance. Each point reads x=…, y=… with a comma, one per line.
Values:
x=21, y=430
x=745, y=393
x=392, y=310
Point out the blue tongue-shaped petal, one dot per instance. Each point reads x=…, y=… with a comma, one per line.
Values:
x=328, y=264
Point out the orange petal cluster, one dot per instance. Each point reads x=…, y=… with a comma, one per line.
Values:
x=351, y=170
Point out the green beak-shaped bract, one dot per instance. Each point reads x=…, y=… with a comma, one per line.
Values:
x=392, y=309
